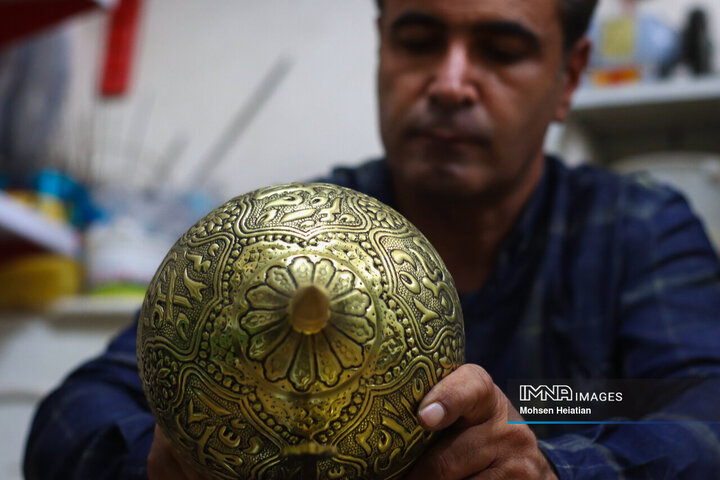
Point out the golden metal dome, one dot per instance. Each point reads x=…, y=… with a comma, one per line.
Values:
x=293, y=332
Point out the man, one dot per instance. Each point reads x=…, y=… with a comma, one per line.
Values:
x=563, y=273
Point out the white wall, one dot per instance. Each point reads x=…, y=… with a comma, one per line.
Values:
x=199, y=61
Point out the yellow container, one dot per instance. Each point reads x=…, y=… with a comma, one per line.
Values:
x=37, y=280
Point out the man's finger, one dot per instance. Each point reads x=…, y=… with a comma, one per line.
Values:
x=468, y=394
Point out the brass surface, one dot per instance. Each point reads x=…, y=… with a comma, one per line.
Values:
x=293, y=332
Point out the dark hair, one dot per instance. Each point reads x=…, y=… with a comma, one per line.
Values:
x=575, y=16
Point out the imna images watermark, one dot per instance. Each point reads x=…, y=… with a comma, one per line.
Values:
x=604, y=400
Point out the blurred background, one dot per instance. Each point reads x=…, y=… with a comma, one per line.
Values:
x=122, y=122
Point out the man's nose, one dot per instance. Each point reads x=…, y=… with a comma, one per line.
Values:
x=452, y=85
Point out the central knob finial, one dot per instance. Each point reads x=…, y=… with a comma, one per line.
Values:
x=309, y=309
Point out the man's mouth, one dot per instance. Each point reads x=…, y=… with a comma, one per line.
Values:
x=447, y=135
x=450, y=136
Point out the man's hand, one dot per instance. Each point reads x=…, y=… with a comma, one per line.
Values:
x=164, y=463
x=479, y=443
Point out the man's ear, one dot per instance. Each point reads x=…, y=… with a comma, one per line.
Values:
x=575, y=62
x=379, y=23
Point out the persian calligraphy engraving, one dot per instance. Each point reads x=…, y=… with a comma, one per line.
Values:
x=293, y=332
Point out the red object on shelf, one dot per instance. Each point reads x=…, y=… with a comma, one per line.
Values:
x=20, y=18
x=120, y=47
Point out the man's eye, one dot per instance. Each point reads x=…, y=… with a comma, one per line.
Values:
x=419, y=43
x=504, y=52
x=503, y=55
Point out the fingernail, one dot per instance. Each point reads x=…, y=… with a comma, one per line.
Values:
x=433, y=414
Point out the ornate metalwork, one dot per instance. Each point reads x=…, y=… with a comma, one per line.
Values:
x=293, y=332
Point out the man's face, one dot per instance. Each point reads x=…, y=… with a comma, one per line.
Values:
x=467, y=89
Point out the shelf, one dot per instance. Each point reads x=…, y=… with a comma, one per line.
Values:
x=682, y=114
x=686, y=90
x=17, y=219
x=117, y=309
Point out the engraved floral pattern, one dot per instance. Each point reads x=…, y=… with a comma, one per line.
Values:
x=316, y=320
x=302, y=358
